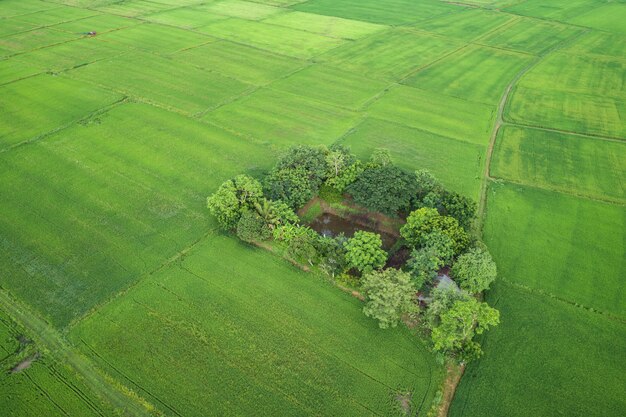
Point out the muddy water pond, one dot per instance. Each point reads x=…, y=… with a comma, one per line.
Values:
x=330, y=225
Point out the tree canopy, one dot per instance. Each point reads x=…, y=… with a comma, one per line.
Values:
x=388, y=295
x=425, y=221
x=384, y=188
x=232, y=198
x=475, y=270
x=458, y=325
x=364, y=251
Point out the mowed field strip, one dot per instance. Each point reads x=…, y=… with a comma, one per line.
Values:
x=109, y=145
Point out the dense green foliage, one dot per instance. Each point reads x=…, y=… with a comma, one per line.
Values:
x=293, y=186
x=385, y=188
x=458, y=325
x=425, y=221
x=475, y=270
x=364, y=251
x=233, y=198
x=251, y=227
x=437, y=252
x=388, y=295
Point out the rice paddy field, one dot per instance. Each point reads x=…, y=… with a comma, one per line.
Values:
x=135, y=305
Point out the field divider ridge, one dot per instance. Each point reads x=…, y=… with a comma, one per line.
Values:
x=482, y=202
x=53, y=342
x=42, y=136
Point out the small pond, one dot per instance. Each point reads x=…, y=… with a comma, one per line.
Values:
x=330, y=225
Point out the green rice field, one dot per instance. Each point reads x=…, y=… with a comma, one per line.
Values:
x=117, y=281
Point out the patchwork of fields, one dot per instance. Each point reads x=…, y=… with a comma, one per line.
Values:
x=109, y=145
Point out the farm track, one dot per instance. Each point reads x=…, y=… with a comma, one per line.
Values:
x=482, y=201
x=54, y=344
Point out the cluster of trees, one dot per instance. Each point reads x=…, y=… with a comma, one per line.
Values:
x=437, y=232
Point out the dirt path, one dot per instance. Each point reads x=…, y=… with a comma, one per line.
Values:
x=482, y=202
x=47, y=337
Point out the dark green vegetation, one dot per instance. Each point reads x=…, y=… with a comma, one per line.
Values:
x=109, y=145
x=436, y=233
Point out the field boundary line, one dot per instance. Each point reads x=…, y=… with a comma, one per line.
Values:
x=543, y=293
x=50, y=339
x=482, y=203
x=142, y=277
x=498, y=180
x=566, y=132
x=49, y=133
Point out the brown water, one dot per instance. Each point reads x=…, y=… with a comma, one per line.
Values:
x=330, y=225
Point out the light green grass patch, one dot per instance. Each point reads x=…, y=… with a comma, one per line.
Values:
x=579, y=74
x=156, y=38
x=186, y=17
x=457, y=164
x=89, y=210
x=274, y=117
x=134, y=8
x=598, y=44
x=12, y=8
x=436, y=113
x=99, y=24
x=57, y=15
x=12, y=70
x=166, y=82
x=530, y=35
x=475, y=73
x=595, y=115
x=70, y=54
x=536, y=358
x=26, y=41
x=610, y=17
x=466, y=24
x=569, y=247
x=280, y=2
x=277, y=39
x=584, y=166
x=269, y=338
x=241, y=9
x=331, y=85
x=334, y=27
x=14, y=26
x=562, y=10
x=390, y=55
x=391, y=12
x=245, y=63
x=37, y=105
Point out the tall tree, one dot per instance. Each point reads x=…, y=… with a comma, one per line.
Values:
x=475, y=270
x=387, y=189
x=364, y=251
x=457, y=327
x=424, y=221
x=232, y=198
x=388, y=295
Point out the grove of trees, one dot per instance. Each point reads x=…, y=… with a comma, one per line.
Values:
x=437, y=232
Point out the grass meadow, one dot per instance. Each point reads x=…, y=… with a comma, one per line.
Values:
x=577, y=256
x=109, y=145
x=301, y=346
x=581, y=353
